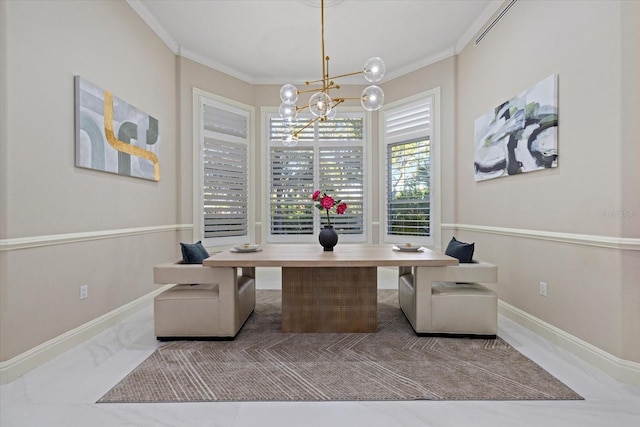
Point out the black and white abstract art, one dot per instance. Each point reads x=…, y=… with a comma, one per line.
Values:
x=520, y=135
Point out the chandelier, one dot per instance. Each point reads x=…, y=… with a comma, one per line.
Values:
x=321, y=104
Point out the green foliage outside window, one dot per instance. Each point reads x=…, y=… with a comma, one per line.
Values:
x=409, y=191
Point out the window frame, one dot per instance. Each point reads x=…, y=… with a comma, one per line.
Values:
x=201, y=97
x=269, y=112
x=434, y=175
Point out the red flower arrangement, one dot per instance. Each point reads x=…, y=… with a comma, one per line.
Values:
x=327, y=203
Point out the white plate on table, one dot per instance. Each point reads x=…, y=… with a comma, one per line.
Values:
x=408, y=248
x=246, y=248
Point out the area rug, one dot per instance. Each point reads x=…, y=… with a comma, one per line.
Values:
x=263, y=364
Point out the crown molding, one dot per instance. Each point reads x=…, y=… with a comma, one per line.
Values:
x=179, y=50
x=414, y=66
x=218, y=66
x=152, y=22
x=477, y=25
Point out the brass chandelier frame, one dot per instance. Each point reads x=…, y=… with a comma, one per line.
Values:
x=329, y=84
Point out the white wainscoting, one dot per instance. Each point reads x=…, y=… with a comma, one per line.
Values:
x=621, y=243
x=25, y=362
x=33, y=358
x=620, y=369
x=623, y=370
x=61, y=239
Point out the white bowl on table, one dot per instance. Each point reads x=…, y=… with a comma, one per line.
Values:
x=246, y=247
x=408, y=247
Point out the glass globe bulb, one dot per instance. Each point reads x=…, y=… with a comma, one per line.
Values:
x=372, y=98
x=320, y=104
x=289, y=94
x=332, y=113
x=287, y=111
x=289, y=140
x=374, y=69
x=290, y=123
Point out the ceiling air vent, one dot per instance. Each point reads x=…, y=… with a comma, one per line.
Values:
x=495, y=21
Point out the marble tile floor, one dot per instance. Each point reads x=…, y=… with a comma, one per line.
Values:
x=63, y=391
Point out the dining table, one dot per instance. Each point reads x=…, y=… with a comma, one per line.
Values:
x=329, y=291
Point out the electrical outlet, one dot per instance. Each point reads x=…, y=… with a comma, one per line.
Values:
x=84, y=291
x=543, y=289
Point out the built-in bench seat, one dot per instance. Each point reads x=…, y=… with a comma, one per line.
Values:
x=449, y=301
x=206, y=303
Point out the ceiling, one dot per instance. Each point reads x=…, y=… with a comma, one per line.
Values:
x=279, y=41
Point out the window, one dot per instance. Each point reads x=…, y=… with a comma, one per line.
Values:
x=408, y=188
x=291, y=182
x=223, y=156
x=330, y=156
x=407, y=140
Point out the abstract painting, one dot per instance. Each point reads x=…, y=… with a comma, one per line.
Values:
x=520, y=135
x=112, y=136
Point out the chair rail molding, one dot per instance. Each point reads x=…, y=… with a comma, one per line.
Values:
x=610, y=242
x=60, y=239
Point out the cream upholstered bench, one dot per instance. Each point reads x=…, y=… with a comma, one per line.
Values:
x=206, y=303
x=447, y=301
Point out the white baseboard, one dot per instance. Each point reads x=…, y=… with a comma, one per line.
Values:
x=620, y=369
x=33, y=358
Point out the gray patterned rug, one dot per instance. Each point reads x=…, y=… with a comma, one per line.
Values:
x=263, y=364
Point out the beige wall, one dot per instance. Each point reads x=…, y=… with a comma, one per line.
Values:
x=439, y=75
x=194, y=75
x=630, y=174
x=44, y=44
x=593, y=292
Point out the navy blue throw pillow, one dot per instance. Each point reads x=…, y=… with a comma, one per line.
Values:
x=462, y=251
x=193, y=253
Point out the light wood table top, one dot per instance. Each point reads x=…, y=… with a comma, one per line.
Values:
x=343, y=255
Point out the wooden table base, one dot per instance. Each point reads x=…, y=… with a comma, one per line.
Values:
x=329, y=299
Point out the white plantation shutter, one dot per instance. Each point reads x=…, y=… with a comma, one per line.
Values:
x=277, y=129
x=407, y=137
x=342, y=176
x=223, y=122
x=408, y=121
x=408, y=192
x=224, y=188
x=225, y=137
x=291, y=183
x=341, y=129
x=330, y=156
